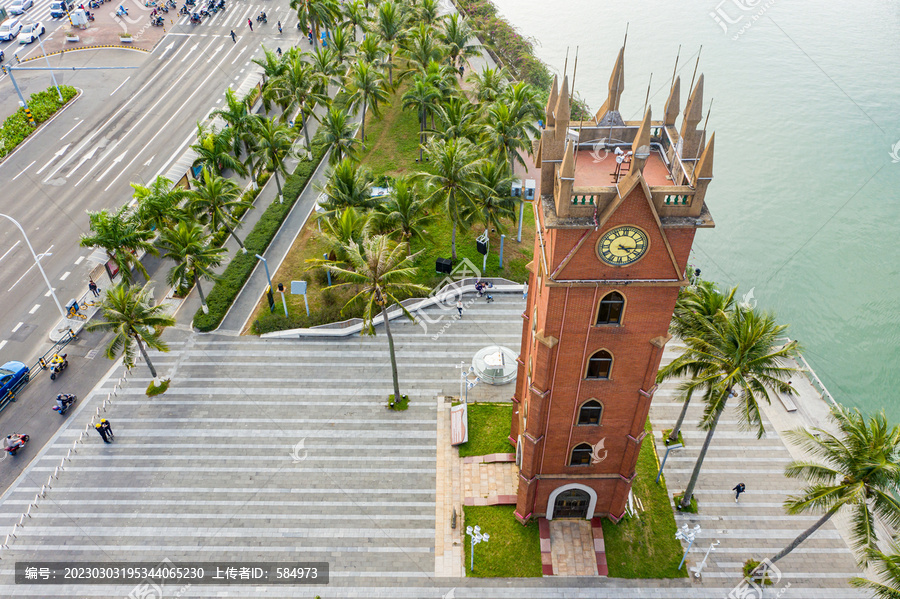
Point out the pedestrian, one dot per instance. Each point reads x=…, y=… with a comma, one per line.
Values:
x=233, y=36
x=93, y=287
x=525, y=290
x=102, y=432
x=279, y=26
x=250, y=22
x=104, y=425
x=278, y=51
x=459, y=307
x=740, y=488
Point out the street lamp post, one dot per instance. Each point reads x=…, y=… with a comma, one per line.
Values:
x=38, y=262
x=52, y=76
x=697, y=570
x=666, y=457
x=686, y=534
x=477, y=537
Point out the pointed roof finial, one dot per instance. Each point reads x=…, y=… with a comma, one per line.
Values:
x=693, y=111
x=563, y=110
x=704, y=168
x=616, y=81
x=551, y=102
x=567, y=168
x=640, y=147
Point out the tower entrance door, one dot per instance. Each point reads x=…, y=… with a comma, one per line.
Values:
x=572, y=503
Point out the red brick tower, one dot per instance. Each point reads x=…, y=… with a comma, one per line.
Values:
x=620, y=202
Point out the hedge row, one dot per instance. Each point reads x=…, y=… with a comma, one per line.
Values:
x=43, y=105
x=241, y=266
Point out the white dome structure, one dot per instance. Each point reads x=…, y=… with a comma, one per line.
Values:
x=495, y=365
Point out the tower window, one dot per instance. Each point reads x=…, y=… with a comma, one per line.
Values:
x=611, y=307
x=590, y=412
x=581, y=455
x=599, y=365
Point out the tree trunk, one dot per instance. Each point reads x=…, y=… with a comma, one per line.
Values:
x=689, y=491
x=803, y=536
x=200, y=291
x=236, y=238
x=277, y=180
x=673, y=436
x=387, y=330
x=146, y=357
x=422, y=136
x=453, y=243
x=363, y=130
x=305, y=129
x=391, y=70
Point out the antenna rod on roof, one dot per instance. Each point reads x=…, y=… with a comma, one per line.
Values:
x=675, y=70
x=625, y=41
x=703, y=139
x=696, y=64
x=647, y=97
x=572, y=98
x=566, y=64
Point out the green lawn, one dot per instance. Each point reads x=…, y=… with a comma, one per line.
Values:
x=513, y=551
x=488, y=429
x=645, y=547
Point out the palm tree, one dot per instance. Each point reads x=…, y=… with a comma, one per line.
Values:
x=188, y=245
x=493, y=201
x=405, y=212
x=736, y=357
x=122, y=236
x=273, y=65
x=456, y=36
x=421, y=96
x=488, y=84
x=315, y=14
x=127, y=312
x=354, y=15
x=390, y=23
x=421, y=46
x=428, y=11
x=298, y=86
x=338, y=133
x=454, y=182
x=505, y=134
x=523, y=102
x=324, y=63
x=887, y=566
x=274, y=143
x=341, y=230
x=366, y=87
x=372, y=50
x=214, y=203
x=695, y=308
x=383, y=270
x=214, y=149
x=349, y=186
x=457, y=118
x=341, y=45
x=237, y=115
x=157, y=205
x=857, y=468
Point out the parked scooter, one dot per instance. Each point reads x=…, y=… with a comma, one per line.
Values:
x=122, y=11
x=14, y=442
x=57, y=365
x=63, y=402
x=261, y=18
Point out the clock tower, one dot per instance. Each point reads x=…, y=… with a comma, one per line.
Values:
x=620, y=203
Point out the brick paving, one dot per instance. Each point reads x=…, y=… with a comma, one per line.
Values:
x=572, y=548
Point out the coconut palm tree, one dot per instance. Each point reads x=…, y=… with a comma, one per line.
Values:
x=273, y=65
x=421, y=96
x=342, y=229
x=505, y=134
x=315, y=14
x=457, y=118
x=324, y=62
x=349, y=185
x=493, y=200
x=337, y=132
x=383, y=270
x=695, y=308
x=488, y=84
x=403, y=214
x=215, y=201
x=214, y=149
x=134, y=322
x=237, y=115
x=123, y=237
x=341, y=44
x=298, y=86
x=390, y=24
x=274, y=144
x=365, y=84
x=887, y=567
x=741, y=357
x=421, y=46
x=188, y=245
x=856, y=469
x=453, y=183
x=429, y=11
x=157, y=205
x=372, y=50
x=355, y=15
x=523, y=102
x=457, y=37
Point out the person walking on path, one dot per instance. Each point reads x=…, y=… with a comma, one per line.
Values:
x=740, y=488
x=233, y=36
x=104, y=424
x=103, y=432
x=93, y=287
x=279, y=26
x=459, y=307
x=250, y=22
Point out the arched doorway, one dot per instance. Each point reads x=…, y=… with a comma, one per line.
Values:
x=572, y=503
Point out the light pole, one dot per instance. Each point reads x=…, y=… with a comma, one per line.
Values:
x=284, y=301
x=698, y=569
x=38, y=262
x=666, y=457
x=52, y=76
x=266, y=264
x=477, y=537
x=686, y=534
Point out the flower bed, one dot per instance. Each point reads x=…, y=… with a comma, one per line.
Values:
x=43, y=105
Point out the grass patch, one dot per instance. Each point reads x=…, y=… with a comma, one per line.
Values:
x=513, y=551
x=488, y=429
x=749, y=566
x=392, y=139
x=645, y=546
x=693, y=508
x=398, y=406
x=43, y=105
x=665, y=436
x=158, y=389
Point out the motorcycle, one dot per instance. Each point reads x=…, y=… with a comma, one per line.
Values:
x=171, y=4
x=157, y=22
x=195, y=18
x=149, y=3
x=164, y=8
x=90, y=16
x=94, y=4
x=57, y=365
x=122, y=11
x=12, y=450
x=67, y=400
x=184, y=11
x=204, y=12
x=261, y=19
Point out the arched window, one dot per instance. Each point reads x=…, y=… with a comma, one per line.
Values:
x=581, y=455
x=599, y=365
x=611, y=307
x=590, y=412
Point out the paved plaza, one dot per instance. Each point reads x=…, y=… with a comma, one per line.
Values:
x=283, y=451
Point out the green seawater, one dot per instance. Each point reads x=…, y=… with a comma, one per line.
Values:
x=806, y=195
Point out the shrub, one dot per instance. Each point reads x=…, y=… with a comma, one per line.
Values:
x=43, y=105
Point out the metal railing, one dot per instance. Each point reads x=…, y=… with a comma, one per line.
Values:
x=811, y=376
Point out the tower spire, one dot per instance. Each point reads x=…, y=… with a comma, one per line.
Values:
x=616, y=86
x=551, y=103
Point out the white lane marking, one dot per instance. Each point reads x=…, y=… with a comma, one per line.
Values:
x=35, y=309
x=47, y=293
x=101, y=160
x=120, y=85
x=177, y=153
x=169, y=47
x=115, y=161
x=47, y=253
x=189, y=52
x=80, y=259
x=10, y=249
x=213, y=55
x=23, y=170
x=65, y=275
x=2, y=343
x=17, y=327
x=84, y=159
x=149, y=160
x=59, y=153
x=72, y=129
x=238, y=55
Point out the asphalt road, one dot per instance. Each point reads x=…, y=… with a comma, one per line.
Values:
x=128, y=125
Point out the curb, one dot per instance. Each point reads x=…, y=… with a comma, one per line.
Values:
x=64, y=50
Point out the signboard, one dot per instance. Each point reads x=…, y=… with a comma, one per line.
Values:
x=298, y=287
x=271, y=298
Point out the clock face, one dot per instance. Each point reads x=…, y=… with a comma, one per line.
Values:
x=623, y=246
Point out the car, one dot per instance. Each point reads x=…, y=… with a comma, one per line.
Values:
x=60, y=8
x=9, y=29
x=19, y=7
x=13, y=375
x=30, y=32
